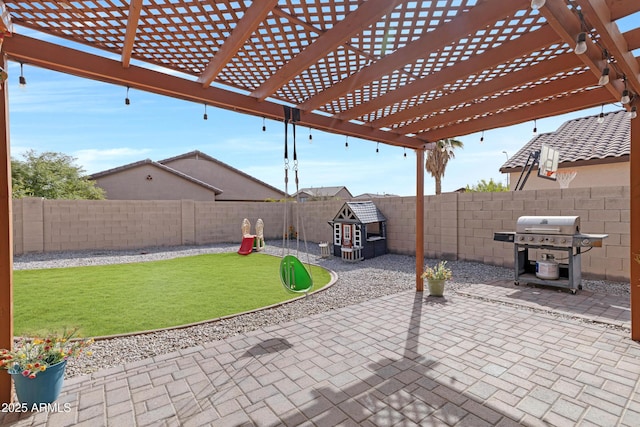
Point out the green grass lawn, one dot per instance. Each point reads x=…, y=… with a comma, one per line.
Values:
x=120, y=298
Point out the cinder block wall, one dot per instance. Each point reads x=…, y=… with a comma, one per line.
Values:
x=221, y=222
x=457, y=225
x=18, y=224
x=87, y=224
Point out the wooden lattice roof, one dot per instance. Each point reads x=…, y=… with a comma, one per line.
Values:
x=402, y=72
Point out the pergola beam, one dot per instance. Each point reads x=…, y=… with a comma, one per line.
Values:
x=634, y=228
x=621, y=8
x=492, y=57
x=6, y=239
x=83, y=64
x=542, y=91
x=633, y=39
x=419, y=218
x=568, y=26
x=251, y=20
x=363, y=17
x=466, y=23
x=135, y=8
x=600, y=18
x=587, y=99
x=526, y=75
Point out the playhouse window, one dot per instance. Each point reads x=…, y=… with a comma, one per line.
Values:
x=373, y=230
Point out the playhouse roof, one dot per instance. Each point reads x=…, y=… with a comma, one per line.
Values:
x=363, y=212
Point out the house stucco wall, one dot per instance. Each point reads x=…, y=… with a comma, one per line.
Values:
x=147, y=182
x=604, y=175
x=235, y=186
x=457, y=225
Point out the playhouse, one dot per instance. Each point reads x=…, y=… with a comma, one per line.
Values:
x=359, y=231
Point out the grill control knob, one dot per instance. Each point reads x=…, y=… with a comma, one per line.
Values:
x=551, y=239
x=530, y=239
x=585, y=242
x=563, y=240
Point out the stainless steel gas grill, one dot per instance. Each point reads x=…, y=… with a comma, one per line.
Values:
x=549, y=233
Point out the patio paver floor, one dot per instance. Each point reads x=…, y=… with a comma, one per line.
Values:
x=494, y=355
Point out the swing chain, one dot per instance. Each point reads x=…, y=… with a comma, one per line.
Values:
x=286, y=172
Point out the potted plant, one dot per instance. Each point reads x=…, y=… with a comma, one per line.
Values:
x=436, y=277
x=37, y=366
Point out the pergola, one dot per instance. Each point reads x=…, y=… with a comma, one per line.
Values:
x=400, y=72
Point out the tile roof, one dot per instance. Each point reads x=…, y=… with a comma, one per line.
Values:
x=582, y=140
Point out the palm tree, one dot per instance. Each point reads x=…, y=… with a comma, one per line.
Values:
x=438, y=158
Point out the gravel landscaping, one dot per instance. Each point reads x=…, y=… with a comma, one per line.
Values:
x=356, y=282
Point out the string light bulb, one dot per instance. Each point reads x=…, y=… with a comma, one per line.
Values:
x=204, y=116
x=535, y=127
x=126, y=99
x=626, y=97
x=22, y=81
x=405, y=153
x=537, y=4
x=601, y=115
x=633, y=113
x=482, y=138
x=581, y=44
x=264, y=125
x=604, y=78
x=310, y=136
x=377, y=147
x=346, y=143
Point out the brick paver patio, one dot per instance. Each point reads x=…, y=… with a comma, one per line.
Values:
x=495, y=355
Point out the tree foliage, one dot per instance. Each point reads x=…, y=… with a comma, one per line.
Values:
x=52, y=176
x=437, y=159
x=488, y=187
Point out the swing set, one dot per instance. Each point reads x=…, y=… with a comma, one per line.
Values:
x=294, y=275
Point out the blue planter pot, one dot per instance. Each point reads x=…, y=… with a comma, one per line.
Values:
x=44, y=388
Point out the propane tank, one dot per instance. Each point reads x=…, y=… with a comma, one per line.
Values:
x=547, y=268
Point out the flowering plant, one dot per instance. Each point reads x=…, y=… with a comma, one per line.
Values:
x=439, y=272
x=31, y=356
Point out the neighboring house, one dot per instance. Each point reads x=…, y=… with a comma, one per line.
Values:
x=191, y=176
x=597, y=151
x=235, y=184
x=369, y=196
x=324, y=193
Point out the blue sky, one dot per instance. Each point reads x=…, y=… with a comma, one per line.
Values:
x=90, y=121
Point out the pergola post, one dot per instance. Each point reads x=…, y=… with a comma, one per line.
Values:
x=419, y=218
x=634, y=219
x=6, y=239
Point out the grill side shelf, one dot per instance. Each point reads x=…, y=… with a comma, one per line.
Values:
x=504, y=236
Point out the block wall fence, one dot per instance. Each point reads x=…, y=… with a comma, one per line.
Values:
x=457, y=225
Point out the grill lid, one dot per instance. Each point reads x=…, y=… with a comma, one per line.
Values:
x=548, y=225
